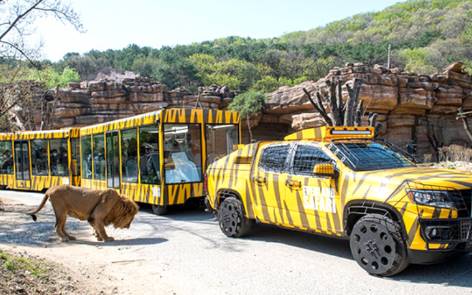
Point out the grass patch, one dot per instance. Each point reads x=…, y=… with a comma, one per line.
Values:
x=15, y=263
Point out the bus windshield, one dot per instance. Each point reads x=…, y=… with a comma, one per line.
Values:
x=182, y=153
x=369, y=156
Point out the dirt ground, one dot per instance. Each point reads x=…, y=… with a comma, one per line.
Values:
x=186, y=253
x=22, y=274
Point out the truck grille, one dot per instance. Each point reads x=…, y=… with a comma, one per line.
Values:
x=464, y=205
x=465, y=230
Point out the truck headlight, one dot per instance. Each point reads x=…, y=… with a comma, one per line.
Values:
x=432, y=198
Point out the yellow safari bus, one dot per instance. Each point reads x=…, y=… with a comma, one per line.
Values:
x=159, y=157
x=37, y=160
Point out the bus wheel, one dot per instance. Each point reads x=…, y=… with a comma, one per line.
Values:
x=159, y=210
x=231, y=218
x=377, y=245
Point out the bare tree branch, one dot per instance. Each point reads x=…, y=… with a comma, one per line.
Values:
x=18, y=18
x=461, y=115
x=20, y=24
x=321, y=111
x=12, y=105
x=359, y=113
x=36, y=65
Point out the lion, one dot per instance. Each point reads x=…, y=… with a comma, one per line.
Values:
x=99, y=207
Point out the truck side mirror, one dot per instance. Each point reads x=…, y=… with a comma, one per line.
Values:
x=326, y=169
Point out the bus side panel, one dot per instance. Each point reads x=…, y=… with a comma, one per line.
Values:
x=142, y=193
x=87, y=183
x=76, y=181
x=39, y=183
x=130, y=190
x=177, y=194
x=99, y=184
x=7, y=180
x=93, y=184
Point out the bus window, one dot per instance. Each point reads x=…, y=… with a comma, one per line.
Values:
x=149, y=155
x=6, y=158
x=39, y=157
x=182, y=153
x=220, y=140
x=86, y=148
x=75, y=167
x=99, y=164
x=129, y=156
x=58, y=152
x=22, y=160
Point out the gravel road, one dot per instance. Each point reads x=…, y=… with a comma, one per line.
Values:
x=185, y=253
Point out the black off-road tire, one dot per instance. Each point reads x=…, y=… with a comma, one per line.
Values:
x=377, y=245
x=231, y=218
x=159, y=210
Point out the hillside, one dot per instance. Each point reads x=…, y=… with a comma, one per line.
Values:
x=425, y=35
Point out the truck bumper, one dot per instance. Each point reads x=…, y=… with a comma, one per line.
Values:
x=455, y=234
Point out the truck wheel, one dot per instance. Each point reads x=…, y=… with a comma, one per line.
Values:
x=377, y=245
x=231, y=218
x=159, y=210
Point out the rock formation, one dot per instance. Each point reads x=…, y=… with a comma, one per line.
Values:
x=92, y=102
x=412, y=108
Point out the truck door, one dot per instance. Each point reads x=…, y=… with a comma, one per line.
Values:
x=268, y=178
x=311, y=199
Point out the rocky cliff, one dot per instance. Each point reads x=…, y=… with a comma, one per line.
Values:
x=411, y=107
x=92, y=102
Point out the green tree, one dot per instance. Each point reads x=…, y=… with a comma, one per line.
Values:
x=174, y=71
x=248, y=104
x=266, y=84
x=52, y=78
x=416, y=60
x=146, y=66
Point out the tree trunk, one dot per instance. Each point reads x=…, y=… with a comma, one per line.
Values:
x=465, y=123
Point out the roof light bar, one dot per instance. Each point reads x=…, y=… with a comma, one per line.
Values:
x=350, y=132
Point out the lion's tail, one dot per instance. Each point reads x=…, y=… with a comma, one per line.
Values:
x=43, y=202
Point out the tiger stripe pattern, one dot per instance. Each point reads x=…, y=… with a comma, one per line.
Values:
x=267, y=197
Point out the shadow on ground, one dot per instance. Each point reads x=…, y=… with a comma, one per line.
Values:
x=181, y=213
x=455, y=272
x=122, y=242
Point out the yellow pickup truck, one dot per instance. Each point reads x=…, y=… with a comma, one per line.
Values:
x=339, y=182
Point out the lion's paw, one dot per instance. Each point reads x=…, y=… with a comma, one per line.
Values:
x=109, y=239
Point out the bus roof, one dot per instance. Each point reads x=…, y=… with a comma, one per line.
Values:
x=171, y=115
x=41, y=134
x=46, y=134
x=329, y=133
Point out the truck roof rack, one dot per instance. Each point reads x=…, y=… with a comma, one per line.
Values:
x=329, y=133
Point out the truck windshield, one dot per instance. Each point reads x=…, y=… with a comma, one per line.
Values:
x=369, y=156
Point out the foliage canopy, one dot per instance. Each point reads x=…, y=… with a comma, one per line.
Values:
x=425, y=36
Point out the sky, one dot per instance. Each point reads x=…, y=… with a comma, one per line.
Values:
x=114, y=24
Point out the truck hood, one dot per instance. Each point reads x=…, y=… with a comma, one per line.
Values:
x=380, y=184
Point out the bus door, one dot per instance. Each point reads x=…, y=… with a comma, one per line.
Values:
x=113, y=160
x=220, y=139
x=22, y=164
